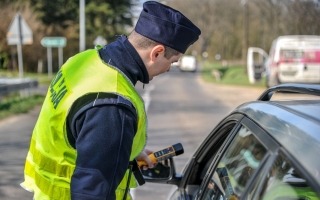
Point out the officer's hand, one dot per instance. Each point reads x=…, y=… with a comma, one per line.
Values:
x=144, y=157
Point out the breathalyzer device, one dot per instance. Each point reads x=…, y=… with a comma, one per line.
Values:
x=174, y=150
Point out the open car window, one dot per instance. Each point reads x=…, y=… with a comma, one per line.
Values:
x=239, y=162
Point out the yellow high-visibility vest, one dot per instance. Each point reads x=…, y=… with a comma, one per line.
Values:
x=51, y=159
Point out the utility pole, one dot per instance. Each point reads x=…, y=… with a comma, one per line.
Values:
x=82, y=23
x=19, y=47
x=245, y=42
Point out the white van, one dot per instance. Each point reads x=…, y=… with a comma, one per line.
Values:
x=292, y=59
x=188, y=63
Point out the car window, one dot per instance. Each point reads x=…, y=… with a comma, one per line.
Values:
x=285, y=182
x=205, y=158
x=237, y=165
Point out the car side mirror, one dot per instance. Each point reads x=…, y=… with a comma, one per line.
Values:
x=163, y=172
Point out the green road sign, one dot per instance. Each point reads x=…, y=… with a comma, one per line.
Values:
x=53, y=42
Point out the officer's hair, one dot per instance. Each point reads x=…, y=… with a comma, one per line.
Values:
x=143, y=42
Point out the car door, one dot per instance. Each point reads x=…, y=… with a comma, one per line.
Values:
x=226, y=162
x=252, y=165
x=195, y=171
x=232, y=163
x=241, y=158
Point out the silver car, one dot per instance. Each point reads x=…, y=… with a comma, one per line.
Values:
x=265, y=149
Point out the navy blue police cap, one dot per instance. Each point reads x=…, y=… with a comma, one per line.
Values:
x=167, y=26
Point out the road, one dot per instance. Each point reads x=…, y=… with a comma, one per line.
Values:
x=180, y=106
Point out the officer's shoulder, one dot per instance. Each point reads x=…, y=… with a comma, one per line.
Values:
x=99, y=99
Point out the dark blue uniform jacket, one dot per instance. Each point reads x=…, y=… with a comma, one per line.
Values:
x=101, y=129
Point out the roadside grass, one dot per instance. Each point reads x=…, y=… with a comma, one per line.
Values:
x=15, y=104
x=229, y=75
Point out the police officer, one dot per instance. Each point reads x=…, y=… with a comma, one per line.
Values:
x=93, y=122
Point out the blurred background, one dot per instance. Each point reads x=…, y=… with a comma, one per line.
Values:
x=228, y=27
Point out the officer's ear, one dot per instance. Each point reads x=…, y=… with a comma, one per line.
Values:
x=157, y=51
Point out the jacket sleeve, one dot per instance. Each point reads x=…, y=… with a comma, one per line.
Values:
x=103, y=132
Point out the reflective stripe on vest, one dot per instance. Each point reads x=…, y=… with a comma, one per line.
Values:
x=51, y=159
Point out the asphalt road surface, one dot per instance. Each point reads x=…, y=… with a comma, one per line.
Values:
x=180, y=106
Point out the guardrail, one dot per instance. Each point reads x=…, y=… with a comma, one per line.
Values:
x=8, y=85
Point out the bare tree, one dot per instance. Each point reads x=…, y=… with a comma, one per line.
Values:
x=303, y=18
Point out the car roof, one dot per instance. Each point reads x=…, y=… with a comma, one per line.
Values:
x=295, y=125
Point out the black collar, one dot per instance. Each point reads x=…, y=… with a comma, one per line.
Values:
x=122, y=55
